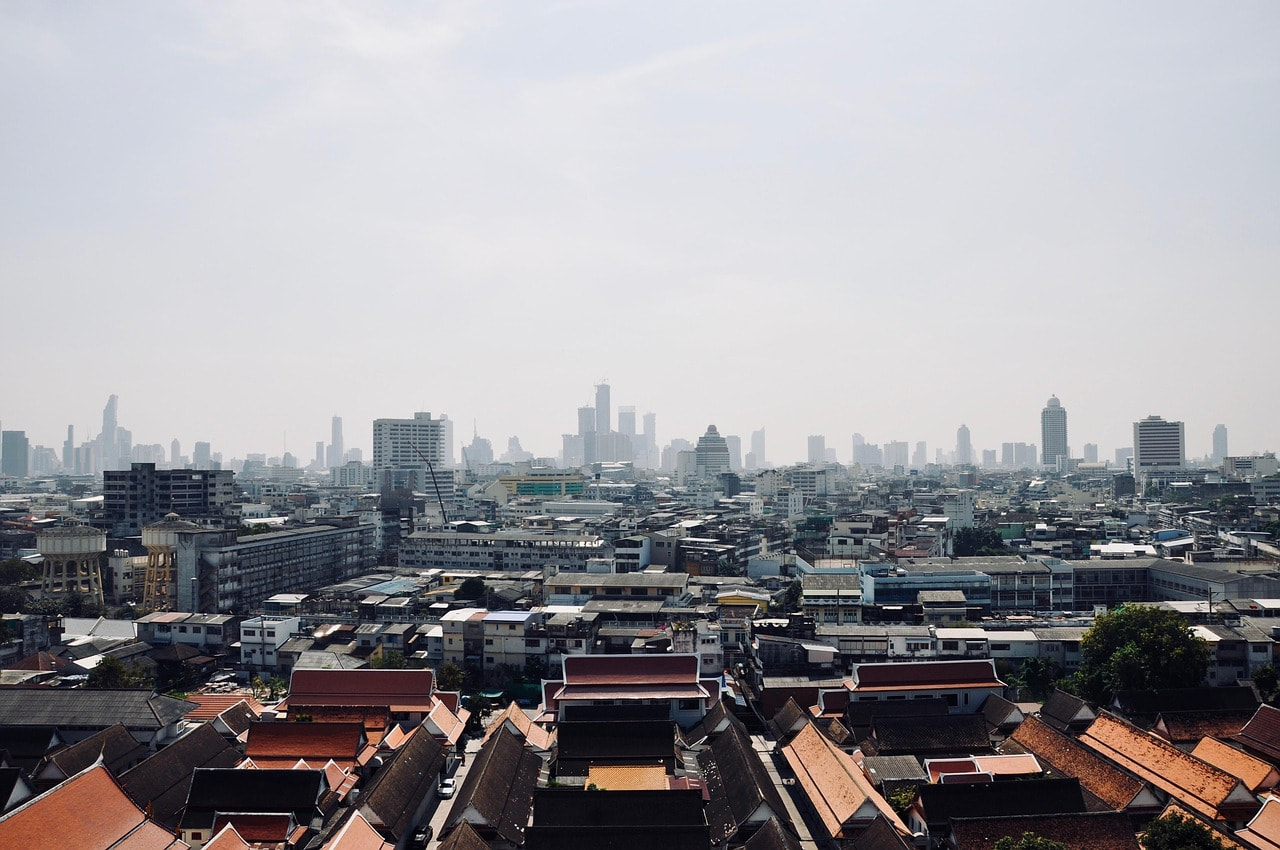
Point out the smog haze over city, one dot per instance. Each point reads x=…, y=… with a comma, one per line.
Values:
x=888, y=219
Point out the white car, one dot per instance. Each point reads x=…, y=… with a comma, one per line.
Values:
x=445, y=789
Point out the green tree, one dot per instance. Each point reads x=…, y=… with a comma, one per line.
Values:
x=13, y=600
x=111, y=672
x=390, y=660
x=1029, y=841
x=791, y=596
x=1267, y=681
x=978, y=541
x=1134, y=648
x=901, y=798
x=450, y=677
x=1036, y=677
x=15, y=570
x=472, y=588
x=1176, y=832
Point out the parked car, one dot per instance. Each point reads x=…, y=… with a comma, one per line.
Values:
x=445, y=789
x=421, y=837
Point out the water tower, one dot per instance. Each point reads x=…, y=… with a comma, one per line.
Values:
x=72, y=555
x=160, y=590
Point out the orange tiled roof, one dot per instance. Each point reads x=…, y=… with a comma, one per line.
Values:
x=227, y=839
x=1263, y=832
x=1066, y=756
x=89, y=812
x=357, y=834
x=1194, y=783
x=210, y=706
x=1255, y=773
x=270, y=743
x=835, y=785
x=628, y=777
x=537, y=736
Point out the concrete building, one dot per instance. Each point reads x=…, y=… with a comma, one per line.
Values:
x=964, y=446
x=1053, y=435
x=1158, y=446
x=160, y=592
x=412, y=454
x=817, y=449
x=261, y=639
x=513, y=550
x=1219, y=444
x=711, y=456
x=142, y=495
x=15, y=452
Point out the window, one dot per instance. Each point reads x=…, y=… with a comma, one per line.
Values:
x=488, y=641
x=951, y=644
x=1258, y=648
x=1000, y=647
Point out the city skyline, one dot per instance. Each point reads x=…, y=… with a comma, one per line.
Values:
x=245, y=220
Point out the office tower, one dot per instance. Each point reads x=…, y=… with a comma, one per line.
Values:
x=817, y=449
x=409, y=454
x=920, y=457
x=734, y=442
x=1024, y=455
x=1158, y=444
x=711, y=455
x=142, y=495
x=964, y=449
x=604, y=417
x=15, y=450
x=1090, y=452
x=175, y=453
x=446, y=428
x=586, y=421
x=109, y=416
x=69, y=450
x=1053, y=434
x=200, y=456
x=318, y=463
x=1123, y=456
x=895, y=454
x=988, y=458
x=627, y=420
x=758, y=449
x=1006, y=455
x=1219, y=443
x=336, y=454
x=108, y=440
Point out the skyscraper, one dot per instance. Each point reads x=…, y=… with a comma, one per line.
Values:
x=604, y=416
x=817, y=449
x=410, y=454
x=201, y=456
x=69, y=450
x=1158, y=444
x=1219, y=443
x=1053, y=434
x=734, y=442
x=108, y=440
x=627, y=420
x=711, y=454
x=15, y=451
x=336, y=453
x=920, y=457
x=175, y=454
x=964, y=448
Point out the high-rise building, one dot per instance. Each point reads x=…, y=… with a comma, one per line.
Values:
x=627, y=420
x=964, y=448
x=69, y=450
x=1158, y=444
x=142, y=495
x=108, y=440
x=817, y=449
x=920, y=457
x=319, y=463
x=895, y=454
x=586, y=421
x=202, y=456
x=175, y=454
x=604, y=416
x=1090, y=452
x=336, y=453
x=758, y=450
x=711, y=455
x=734, y=442
x=15, y=450
x=1219, y=443
x=1053, y=434
x=409, y=454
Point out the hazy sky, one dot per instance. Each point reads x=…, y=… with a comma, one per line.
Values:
x=888, y=218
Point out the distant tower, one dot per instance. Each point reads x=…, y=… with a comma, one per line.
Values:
x=586, y=421
x=160, y=589
x=758, y=449
x=175, y=454
x=201, y=456
x=920, y=457
x=711, y=454
x=817, y=449
x=71, y=561
x=1053, y=434
x=69, y=450
x=604, y=416
x=1219, y=443
x=337, y=452
x=627, y=420
x=964, y=448
x=1158, y=444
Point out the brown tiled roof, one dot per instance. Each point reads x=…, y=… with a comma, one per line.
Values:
x=1063, y=711
x=924, y=675
x=653, y=670
x=395, y=793
x=881, y=835
x=940, y=804
x=738, y=785
x=772, y=836
x=282, y=744
x=1261, y=735
x=356, y=834
x=226, y=839
x=1256, y=774
x=1187, y=726
x=1194, y=783
x=402, y=690
x=160, y=784
x=41, y=662
x=118, y=750
x=257, y=828
x=1067, y=757
x=921, y=736
x=788, y=719
x=837, y=789
x=1000, y=712
x=464, y=837
x=499, y=787
x=87, y=812
x=1090, y=831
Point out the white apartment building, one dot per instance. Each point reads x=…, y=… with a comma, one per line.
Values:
x=261, y=639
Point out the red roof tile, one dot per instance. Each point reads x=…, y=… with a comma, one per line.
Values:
x=630, y=669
